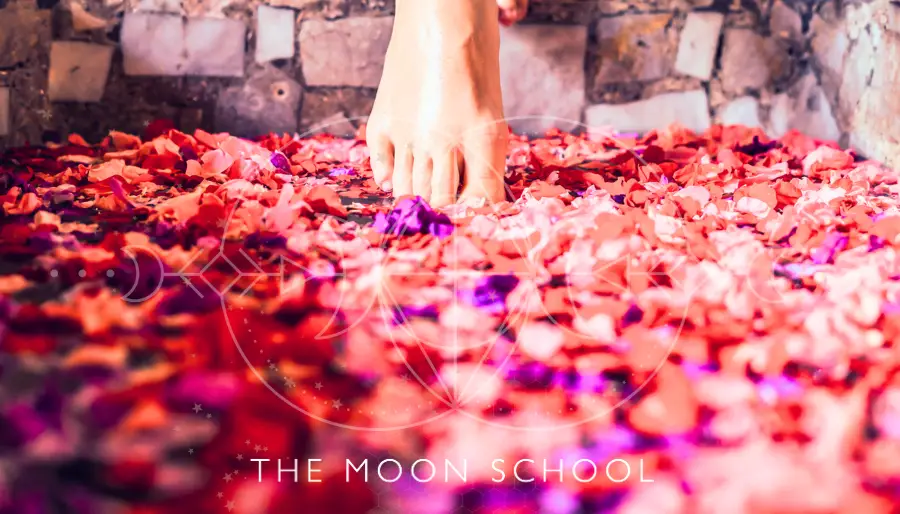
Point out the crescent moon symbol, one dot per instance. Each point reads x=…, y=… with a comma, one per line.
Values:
x=132, y=254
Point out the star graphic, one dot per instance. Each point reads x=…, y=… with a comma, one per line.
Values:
x=227, y=477
x=247, y=442
x=219, y=495
x=272, y=366
x=289, y=383
x=190, y=451
x=229, y=506
x=257, y=448
x=318, y=386
x=240, y=456
x=209, y=416
x=197, y=408
x=336, y=404
x=265, y=448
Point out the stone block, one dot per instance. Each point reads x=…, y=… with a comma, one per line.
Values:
x=214, y=47
x=274, y=33
x=165, y=45
x=78, y=71
x=804, y=107
x=698, y=44
x=84, y=21
x=159, y=6
x=542, y=76
x=24, y=36
x=4, y=112
x=562, y=11
x=750, y=61
x=740, y=111
x=153, y=44
x=611, y=7
x=635, y=47
x=688, y=108
x=337, y=124
x=348, y=52
x=321, y=106
x=869, y=100
x=785, y=22
x=830, y=43
x=266, y=102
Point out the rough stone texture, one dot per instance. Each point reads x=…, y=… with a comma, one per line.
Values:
x=827, y=67
x=689, y=108
x=160, y=6
x=785, y=22
x=868, y=95
x=274, y=34
x=750, y=61
x=379, y=7
x=129, y=104
x=354, y=104
x=214, y=8
x=23, y=35
x=671, y=85
x=620, y=6
x=153, y=44
x=805, y=108
x=84, y=21
x=190, y=119
x=318, y=9
x=565, y=11
x=78, y=71
x=830, y=44
x=268, y=101
x=740, y=111
x=337, y=124
x=164, y=45
x=698, y=44
x=635, y=47
x=542, y=76
x=30, y=109
x=4, y=111
x=747, y=13
x=346, y=52
x=214, y=47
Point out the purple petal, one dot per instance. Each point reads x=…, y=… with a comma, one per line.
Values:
x=19, y=425
x=633, y=315
x=413, y=216
x=834, y=243
x=281, y=162
x=338, y=172
x=212, y=391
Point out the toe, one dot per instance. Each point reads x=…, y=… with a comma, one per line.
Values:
x=445, y=178
x=403, y=171
x=485, y=164
x=381, y=153
x=421, y=176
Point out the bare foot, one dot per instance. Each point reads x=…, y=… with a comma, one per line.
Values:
x=438, y=114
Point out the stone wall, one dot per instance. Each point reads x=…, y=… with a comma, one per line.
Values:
x=249, y=67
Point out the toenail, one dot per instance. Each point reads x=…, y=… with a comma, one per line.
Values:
x=387, y=186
